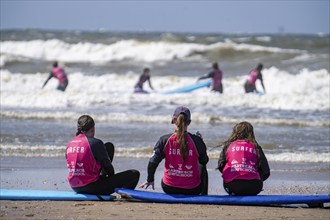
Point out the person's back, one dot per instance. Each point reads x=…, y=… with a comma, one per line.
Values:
x=216, y=75
x=60, y=75
x=89, y=163
x=179, y=172
x=185, y=159
x=253, y=76
x=242, y=162
x=138, y=88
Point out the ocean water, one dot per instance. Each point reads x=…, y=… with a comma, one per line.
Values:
x=291, y=121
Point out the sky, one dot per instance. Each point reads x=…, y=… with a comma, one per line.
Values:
x=244, y=16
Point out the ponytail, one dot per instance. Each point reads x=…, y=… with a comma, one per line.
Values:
x=85, y=123
x=181, y=135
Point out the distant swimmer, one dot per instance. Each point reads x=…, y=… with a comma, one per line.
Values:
x=138, y=88
x=58, y=73
x=250, y=84
x=216, y=75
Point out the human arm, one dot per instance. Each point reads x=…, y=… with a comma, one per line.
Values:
x=149, y=81
x=100, y=155
x=49, y=77
x=157, y=156
x=222, y=159
x=263, y=166
x=201, y=148
x=262, y=82
x=209, y=75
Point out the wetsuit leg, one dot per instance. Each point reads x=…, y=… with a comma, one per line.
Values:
x=106, y=185
x=218, y=89
x=249, y=87
x=62, y=86
x=243, y=187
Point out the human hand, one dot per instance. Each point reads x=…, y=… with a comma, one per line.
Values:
x=145, y=185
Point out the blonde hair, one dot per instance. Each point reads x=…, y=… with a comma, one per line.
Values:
x=180, y=122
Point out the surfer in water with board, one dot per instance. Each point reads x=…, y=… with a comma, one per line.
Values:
x=250, y=84
x=242, y=162
x=58, y=73
x=138, y=88
x=216, y=75
x=185, y=159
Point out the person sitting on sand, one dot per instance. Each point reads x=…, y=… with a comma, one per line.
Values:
x=216, y=75
x=138, y=88
x=185, y=159
x=58, y=73
x=250, y=84
x=242, y=162
x=89, y=163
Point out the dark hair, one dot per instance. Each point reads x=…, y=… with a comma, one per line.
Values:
x=85, y=123
x=241, y=131
x=260, y=66
x=215, y=66
x=146, y=70
x=181, y=123
x=55, y=64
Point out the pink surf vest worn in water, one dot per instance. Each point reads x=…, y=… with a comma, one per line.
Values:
x=252, y=77
x=242, y=162
x=179, y=173
x=217, y=78
x=82, y=167
x=58, y=72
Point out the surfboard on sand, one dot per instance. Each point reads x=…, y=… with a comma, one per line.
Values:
x=189, y=88
x=10, y=194
x=225, y=199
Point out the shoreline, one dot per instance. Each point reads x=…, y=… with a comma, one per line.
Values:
x=51, y=174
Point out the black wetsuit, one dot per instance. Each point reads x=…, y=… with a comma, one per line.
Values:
x=159, y=155
x=108, y=181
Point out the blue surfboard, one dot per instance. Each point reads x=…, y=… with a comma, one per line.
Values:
x=189, y=88
x=223, y=200
x=10, y=194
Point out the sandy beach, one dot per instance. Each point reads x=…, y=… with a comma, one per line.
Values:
x=26, y=173
x=135, y=210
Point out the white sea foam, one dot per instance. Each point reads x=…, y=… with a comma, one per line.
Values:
x=145, y=152
x=50, y=50
x=306, y=90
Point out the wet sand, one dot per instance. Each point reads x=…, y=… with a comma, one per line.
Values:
x=50, y=174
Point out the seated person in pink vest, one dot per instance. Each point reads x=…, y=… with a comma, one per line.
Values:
x=185, y=159
x=250, y=84
x=59, y=74
x=242, y=162
x=216, y=75
x=89, y=163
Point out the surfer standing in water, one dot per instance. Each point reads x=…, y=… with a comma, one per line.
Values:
x=216, y=75
x=185, y=159
x=138, y=88
x=250, y=84
x=89, y=163
x=242, y=162
x=58, y=73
